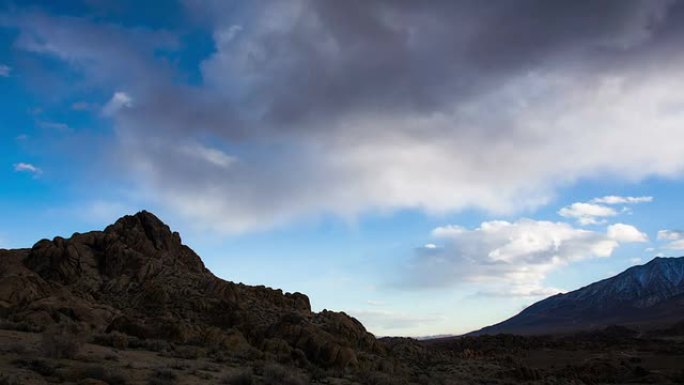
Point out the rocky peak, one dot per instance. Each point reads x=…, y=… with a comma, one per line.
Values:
x=137, y=246
x=670, y=270
x=643, y=285
x=145, y=226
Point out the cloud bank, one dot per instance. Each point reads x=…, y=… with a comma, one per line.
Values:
x=587, y=213
x=614, y=200
x=626, y=233
x=596, y=212
x=306, y=108
x=675, y=239
x=511, y=258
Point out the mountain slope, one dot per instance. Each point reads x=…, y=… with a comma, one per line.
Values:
x=646, y=296
x=137, y=277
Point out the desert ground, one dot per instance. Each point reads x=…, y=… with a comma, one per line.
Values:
x=613, y=356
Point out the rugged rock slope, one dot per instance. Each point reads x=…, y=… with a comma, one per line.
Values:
x=646, y=296
x=136, y=277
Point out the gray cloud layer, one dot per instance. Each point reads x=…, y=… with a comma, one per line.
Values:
x=310, y=107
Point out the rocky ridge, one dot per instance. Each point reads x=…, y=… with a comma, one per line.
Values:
x=136, y=277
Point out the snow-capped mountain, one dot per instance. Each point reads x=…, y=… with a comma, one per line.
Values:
x=644, y=296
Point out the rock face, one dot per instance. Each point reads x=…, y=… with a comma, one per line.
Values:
x=646, y=296
x=137, y=277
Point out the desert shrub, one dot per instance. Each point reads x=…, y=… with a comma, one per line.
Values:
x=524, y=373
x=153, y=345
x=102, y=339
x=162, y=376
x=61, y=341
x=110, y=376
x=211, y=337
x=219, y=357
x=119, y=340
x=6, y=379
x=210, y=368
x=94, y=372
x=41, y=367
x=202, y=375
x=114, y=339
x=179, y=365
x=20, y=326
x=379, y=378
x=116, y=378
x=640, y=371
x=280, y=375
x=16, y=348
x=318, y=374
x=187, y=352
x=244, y=377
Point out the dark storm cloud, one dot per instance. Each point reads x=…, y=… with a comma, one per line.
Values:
x=331, y=57
x=310, y=107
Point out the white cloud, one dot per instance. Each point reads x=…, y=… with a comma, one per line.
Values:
x=595, y=211
x=635, y=261
x=626, y=233
x=118, y=101
x=507, y=258
x=670, y=235
x=226, y=36
x=675, y=245
x=614, y=200
x=676, y=238
x=587, y=213
x=5, y=71
x=430, y=246
x=210, y=155
x=448, y=230
x=28, y=168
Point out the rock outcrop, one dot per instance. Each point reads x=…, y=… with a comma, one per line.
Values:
x=137, y=277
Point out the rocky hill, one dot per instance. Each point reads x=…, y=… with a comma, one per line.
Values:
x=645, y=297
x=136, y=277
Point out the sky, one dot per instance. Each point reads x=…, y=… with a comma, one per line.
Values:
x=428, y=167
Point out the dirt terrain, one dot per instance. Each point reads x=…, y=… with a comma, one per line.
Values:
x=599, y=358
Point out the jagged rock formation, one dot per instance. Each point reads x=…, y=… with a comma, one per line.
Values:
x=137, y=277
x=646, y=296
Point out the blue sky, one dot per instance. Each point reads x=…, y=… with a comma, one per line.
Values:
x=405, y=163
